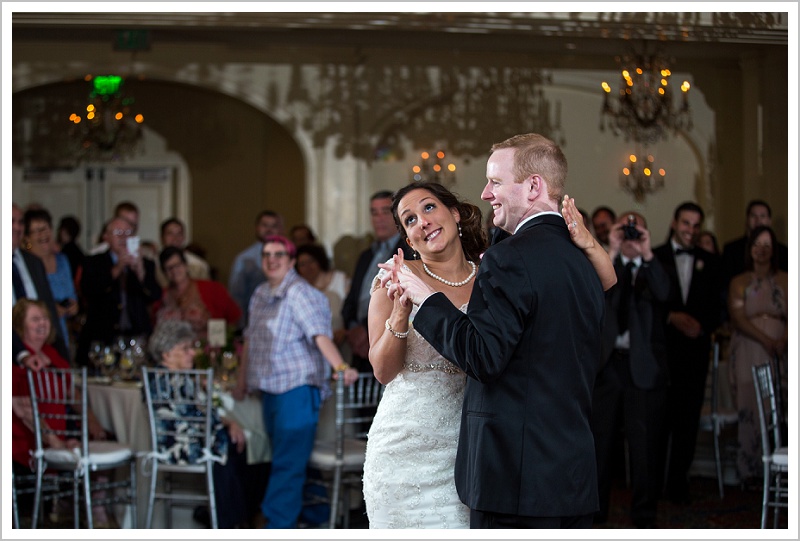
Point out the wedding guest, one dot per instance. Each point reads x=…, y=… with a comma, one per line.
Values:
x=708, y=242
x=301, y=235
x=356, y=305
x=287, y=356
x=734, y=253
x=757, y=303
x=31, y=321
x=694, y=310
x=172, y=346
x=603, y=218
x=246, y=274
x=173, y=233
x=29, y=279
x=192, y=300
x=314, y=265
x=130, y=213
x=40, y=242
x=119, y=288
x=630, y=389
x=68, y=230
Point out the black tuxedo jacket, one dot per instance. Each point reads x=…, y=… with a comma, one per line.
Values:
x=648, y=363
x=103, y=308
x=363, y=272
x=704, y=301
x=531, y=344
x=44, y=293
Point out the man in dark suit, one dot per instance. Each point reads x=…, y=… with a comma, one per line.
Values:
x=30, y=281
x=693, y=312
x=530, y=343
x=633, y=380
x=118, y=287
x=355, y=306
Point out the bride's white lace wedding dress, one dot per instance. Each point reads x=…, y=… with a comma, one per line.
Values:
x=411, y=447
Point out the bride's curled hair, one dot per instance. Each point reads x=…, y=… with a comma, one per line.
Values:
x=474, y=240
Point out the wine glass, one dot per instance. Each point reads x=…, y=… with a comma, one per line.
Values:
x=127, y=364
x=228, y=366
x=96, y=356
x=109, y=360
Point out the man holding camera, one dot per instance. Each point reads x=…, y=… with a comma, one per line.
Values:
x=118, y=286
x=693, y=312
x=631, y=385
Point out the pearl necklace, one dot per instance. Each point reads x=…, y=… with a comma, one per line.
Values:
x=448, y=282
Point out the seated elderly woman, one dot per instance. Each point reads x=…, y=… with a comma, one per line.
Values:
x=171, y=346
x=31, y=321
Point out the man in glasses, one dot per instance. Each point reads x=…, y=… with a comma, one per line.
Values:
x=118, y=286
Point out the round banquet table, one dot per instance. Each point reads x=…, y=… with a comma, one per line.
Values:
x=121, y=409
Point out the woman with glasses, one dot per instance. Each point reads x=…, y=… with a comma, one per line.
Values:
x=172, y=347
x=191, y=300
x=288, y=356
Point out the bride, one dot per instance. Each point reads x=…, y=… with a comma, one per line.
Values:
x=411, y=447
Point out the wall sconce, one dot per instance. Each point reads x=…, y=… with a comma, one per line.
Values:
x=640, y=177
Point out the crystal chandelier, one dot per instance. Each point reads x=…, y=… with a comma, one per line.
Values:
x=107, y=129
x=368, y=110
x=640, y=177
x=434, y=169
x=643, y=109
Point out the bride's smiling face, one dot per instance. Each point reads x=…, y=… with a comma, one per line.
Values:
x=429, y=225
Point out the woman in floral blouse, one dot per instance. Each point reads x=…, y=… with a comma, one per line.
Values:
x=171, y=346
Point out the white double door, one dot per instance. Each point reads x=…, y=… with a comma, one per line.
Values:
x=91, y=192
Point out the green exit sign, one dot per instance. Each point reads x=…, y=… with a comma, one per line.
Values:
x=132, y=40
x=106, y=85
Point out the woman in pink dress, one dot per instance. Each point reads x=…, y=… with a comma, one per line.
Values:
x=757, y=302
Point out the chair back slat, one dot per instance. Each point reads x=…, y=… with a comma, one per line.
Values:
x=355, y=407
x=179, y=406
x=59, y=402
x=767, y=408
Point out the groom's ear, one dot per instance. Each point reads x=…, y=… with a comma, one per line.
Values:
x=535, y=185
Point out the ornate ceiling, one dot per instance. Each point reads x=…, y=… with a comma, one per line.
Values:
x=568, y=34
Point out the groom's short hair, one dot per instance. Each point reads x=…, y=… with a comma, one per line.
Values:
x=536, y=154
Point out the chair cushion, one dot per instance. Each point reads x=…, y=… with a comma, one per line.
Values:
x=62, y=458
x=728, y=417
x=781, y=456
x=101, y=453
x=324, y=454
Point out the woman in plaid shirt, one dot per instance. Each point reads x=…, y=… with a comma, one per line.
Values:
x=288, y=356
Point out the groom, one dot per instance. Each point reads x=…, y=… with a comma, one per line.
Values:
x=530, y=343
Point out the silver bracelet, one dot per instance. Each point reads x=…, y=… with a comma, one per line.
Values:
x=395, y=333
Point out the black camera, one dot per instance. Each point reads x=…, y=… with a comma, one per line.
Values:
x=629, y=230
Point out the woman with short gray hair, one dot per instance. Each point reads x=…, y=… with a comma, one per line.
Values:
x=168, y=334
x=172, y=347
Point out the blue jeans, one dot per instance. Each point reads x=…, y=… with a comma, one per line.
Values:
x=291, y=423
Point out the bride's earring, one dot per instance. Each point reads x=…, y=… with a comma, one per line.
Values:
x=416, y=255
x=459, y=229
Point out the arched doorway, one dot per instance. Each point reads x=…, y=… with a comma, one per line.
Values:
x=240, y=160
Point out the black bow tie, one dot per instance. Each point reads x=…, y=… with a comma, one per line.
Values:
x=679, y=251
